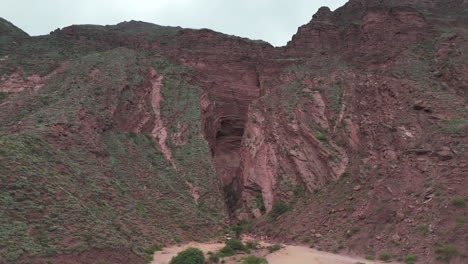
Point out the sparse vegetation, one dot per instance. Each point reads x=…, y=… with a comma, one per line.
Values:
x=151, y=249
x=279, y=208
x=241, y=227
x=458, y=201
x=410, y=259
x=236, y=245
x=446, y=252
x=385, y=256
x=252, y=244
x=461, y=219
x=226, y=251
x=213, y=258
x=47, y=173
x=253, y=260
x=275, y=247
x=3, y=96
x=423, y=228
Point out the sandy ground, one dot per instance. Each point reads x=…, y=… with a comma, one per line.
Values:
x=304, y=255
x=164, y=256
x=287, y=255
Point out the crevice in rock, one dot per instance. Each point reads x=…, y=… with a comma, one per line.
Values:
x=226, y=156
x=224, y=125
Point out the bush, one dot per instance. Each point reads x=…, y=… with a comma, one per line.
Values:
x=151, y=249
x=236, y=244
x=410, y=259
x=214, y=258
x=189, y=256
x=132, y=134
x=3, y=96
x=385, y=256
x=424, y=228
x=254, y=260
x=369, y=258
x=446, y=252
x=243, y=226
x=458, y=201
x=275, y=247
x=279, y=208
x=226, y=252
x=355, y=229
x=252, y=244
x=237, y=230
x=322, y=138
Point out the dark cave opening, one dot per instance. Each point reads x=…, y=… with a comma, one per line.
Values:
x=225, y=143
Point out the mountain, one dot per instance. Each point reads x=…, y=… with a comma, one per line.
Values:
x=10, y=35
x=351, y=138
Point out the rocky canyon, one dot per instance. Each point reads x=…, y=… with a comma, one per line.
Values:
x=351, y=138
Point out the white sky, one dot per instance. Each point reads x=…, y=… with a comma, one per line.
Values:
x=274, y=21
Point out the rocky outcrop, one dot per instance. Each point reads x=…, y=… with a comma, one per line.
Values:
x=375, y=37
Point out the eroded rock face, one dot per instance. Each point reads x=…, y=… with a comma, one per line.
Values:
x=374, y=35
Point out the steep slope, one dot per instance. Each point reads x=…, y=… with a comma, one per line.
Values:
x=350, y=138
x=10, y=36
x=86, y=162
x=396, y=103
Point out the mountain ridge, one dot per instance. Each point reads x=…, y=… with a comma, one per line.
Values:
x=352, y=137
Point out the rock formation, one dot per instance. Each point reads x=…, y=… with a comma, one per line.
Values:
x=118, y=137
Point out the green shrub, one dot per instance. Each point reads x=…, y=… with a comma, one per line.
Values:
x=189, y=256
x=252, y=244
x=237, y=230
x=214, y=258
x=369, y=258
x=385, y=256
x=275, y=247
x=254, y=260
x=226, y=251
x=236, y=244
x=424, y=228
x=410, y=259
x=132, y=134
x=344, y=175
x=322, y=138
x=151, y=249
x=3, y=96
x=279, y=208
x=355, y=229
x=244, y=225
x=446, y=252
x=458, y=201
x=298, y=191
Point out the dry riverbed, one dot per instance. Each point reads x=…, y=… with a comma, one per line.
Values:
x=287, y=255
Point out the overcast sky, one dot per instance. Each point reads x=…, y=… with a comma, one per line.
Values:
x=274, y=21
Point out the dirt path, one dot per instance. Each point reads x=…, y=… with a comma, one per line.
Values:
x=289, y=255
